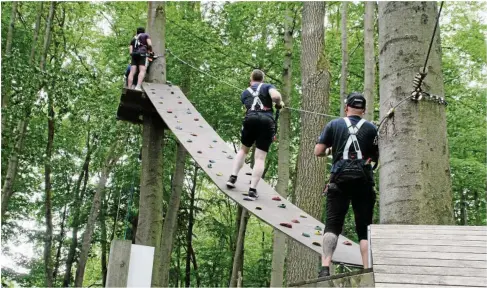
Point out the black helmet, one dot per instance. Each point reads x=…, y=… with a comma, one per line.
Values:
x=355, y=100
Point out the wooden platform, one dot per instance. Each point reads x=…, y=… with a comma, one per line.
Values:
x=363, y=278
x=429, y=256
x=133, y=105
x=207, y=147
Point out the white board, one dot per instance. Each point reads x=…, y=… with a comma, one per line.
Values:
x=140, y=267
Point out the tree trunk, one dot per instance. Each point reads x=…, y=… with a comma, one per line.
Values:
x=195, y=267
x=415, y=179
x=279, y=240
x=302, y=263
x=189, y=234
x=95, y=207
x=60, y=245
x=8, y=50
x=78, y=198
x=149, y=228
x=171, y=220
x=369, y=59
x=344, y=71
x=13, y=161
x=103, y=242
x=238, y=258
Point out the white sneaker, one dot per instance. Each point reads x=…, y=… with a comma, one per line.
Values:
x=132, y=87
x=138, y=88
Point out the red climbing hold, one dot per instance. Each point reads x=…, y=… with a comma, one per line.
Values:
x=286, y=225
x=277, y=198
x=295, y=221
x=196, y=119
x=199, y=152
x=169, y=111
x=348, y=243
x=193, y=134
x=180, y=102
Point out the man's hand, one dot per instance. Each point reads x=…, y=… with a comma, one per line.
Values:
x=280, y=105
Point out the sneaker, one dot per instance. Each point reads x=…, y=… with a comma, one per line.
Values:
x=324, y=272
x=231, y=181
x=253, y=193
x=138, y=88
x=132, y=87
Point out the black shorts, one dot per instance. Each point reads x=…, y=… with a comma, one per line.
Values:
x=258, y=128
x=362, y=196
x=139, y=60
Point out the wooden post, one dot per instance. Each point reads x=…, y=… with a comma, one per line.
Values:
x=118, y=263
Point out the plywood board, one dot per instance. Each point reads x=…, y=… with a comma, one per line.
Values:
x=187, y=124
x=380, y=260
x=428, y=227
x=431, y=279
x=421, y=270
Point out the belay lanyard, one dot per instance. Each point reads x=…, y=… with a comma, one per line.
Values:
x=276, y=120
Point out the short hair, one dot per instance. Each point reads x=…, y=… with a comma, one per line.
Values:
x=257, y=75
x=140, y=30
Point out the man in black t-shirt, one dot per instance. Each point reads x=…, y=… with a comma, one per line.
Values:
x=354, y=147
x=258, y=127
x=139, y=48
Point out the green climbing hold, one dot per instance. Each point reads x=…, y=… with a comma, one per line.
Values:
x=210, y=166
x=282, y=205
x=214, y=141
x=212, y=161
x=305, y=234
x=189, y=140
x=318, y=228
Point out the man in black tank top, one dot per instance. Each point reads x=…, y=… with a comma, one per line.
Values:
x=258, y=127
x=354, y=147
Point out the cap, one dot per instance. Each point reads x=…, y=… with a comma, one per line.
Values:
x=355, y=100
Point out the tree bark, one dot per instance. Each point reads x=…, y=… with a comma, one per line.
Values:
x=171, y=220
x=13, y=161
x=369, y=59
x=149, y=228
x=302, y=263
x=8, y=49
x=344, y=71
x=415, y=179
x=94, y=211
x=103, y=241
x=237, y=267
x=78, y=197
x=279, y=238
x=60, y=245
x=189, y=234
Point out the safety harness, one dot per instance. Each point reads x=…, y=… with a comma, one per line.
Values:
x=257, y=101
x=352, y=138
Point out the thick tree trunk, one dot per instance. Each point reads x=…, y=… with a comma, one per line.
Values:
x=8, y=50
x=78, y=197
x=344, y=71
x=60, y=245
x=13, y=161
x=415, y=179
x=302, y=263
x=103, y=242
x=94, y=211
x=171, y=220
x=189, y=234
x=279, y=240
x=237, y=266
x=149, y=228
x=369, y=59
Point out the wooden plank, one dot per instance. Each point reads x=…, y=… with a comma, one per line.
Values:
x=118, y=263
x=428, y=227
x=430, y=280
x=424, y=248
x=425, y=236
x=419, y=270
x=403, y=285
x=379, y=260
x=427, y=242
x=460, y=232
x=431, y=255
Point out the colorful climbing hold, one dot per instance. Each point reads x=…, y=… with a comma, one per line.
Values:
x=282, y=205
x=214, y=141
x=258, y=208
x=172, y=92
x=179, y=97
x=188, y=112
x=219, y=174
x=160, y=102
x=199, y=152
x=305, y=234
x=317, y=244
x=175, y=116
x=248, y=173
x=317, y=232
x=212, y=161
x=210, y=146
x=196, y=119
x=189, y=140
x=295, y=221
x=230, y=157
x=286, y=225
x=169, y=111
x=201, y=126
x=210, y=166
x=193, y=134
x=180, y=102
x=179, y=128
x=276, y=198
x=348, y=243
x=224, y=151
x=179, y=121
x=318, y=228
x=303, y=216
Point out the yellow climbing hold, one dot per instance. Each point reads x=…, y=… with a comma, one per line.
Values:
x=219, y=174
x=317, y=232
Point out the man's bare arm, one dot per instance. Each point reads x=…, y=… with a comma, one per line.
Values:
x=275, y=95
x=320, y=150
x=149, y=44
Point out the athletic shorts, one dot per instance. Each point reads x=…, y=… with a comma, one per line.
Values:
x=258, y=128
x=362, y=196
x=139, y=60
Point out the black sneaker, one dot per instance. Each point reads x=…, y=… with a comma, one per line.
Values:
x=324, y=272
x=231, y=181
x=253, y=193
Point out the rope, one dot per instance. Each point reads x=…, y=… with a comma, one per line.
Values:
x=433, y=36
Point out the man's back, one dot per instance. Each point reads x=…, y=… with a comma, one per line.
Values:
x=264, y=96
x=139, y=43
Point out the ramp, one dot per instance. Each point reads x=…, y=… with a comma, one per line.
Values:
x=206, y=147
x=429, y=256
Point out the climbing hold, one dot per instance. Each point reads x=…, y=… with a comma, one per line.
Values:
x=248, y=173
x=160, y=97
x=248, y=198
x=305, y=234
x=169, y=111
x=282, y=205
x=160, y=102
x=219, y=174
x=210, y=166
x=153, y=92
x=180, y=102
x=245, y=194
x=317, y=244
x=188, y=112
x=175, y=116
x=276, y=198
x=179, y=121
x=318, y=228
x=201, y=126
x=286, y=225
x=295, y=221
x=196, y=119
x=258, y=208
x=199, y=152
x=189, y=140
x=303, y=216
x=179, y=97
x=172, y=92
x=193, y=134
x=230, y=157
x=210, y=146
x=348, y=243
x=224, y=151
x=317, y=232
x=179, y=128
x=212, y=161
x=214, y=141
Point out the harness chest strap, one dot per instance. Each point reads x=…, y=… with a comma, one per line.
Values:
x=257, y=100
x=352, y=138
